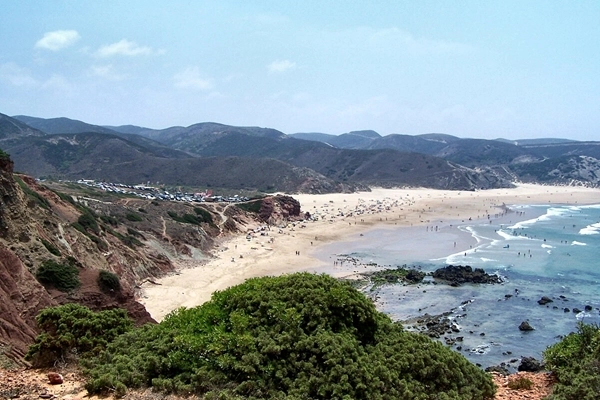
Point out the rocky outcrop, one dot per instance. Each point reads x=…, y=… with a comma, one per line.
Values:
x=456, y=275
x=544, y=300
x=21, y=298
x=279, y=209
x=530, y=364
x=525, y=326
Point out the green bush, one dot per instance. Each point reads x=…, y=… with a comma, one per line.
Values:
x=520, y=383
x=34, y=196
x=296, y=336
x=186, y=218
x=204, y=215
x=4, y=155
x=64, y=277
x=107, y=219
x=88, y=222
x=251, y=206
x=575, y=360
x=108, y=282
x=75, y=329
x=133, y=217
x=50, y=247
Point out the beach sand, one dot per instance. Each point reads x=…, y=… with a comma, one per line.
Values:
x=341, y=217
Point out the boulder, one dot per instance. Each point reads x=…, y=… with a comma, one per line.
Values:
x=544, y=300
x=525, y=326
x=55, y=378
x=530, y=364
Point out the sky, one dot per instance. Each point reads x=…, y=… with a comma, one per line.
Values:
x=478, y=69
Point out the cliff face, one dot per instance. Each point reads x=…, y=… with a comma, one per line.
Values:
x=136, y=239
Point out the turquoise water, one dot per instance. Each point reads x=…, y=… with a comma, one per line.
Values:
x=540, y=251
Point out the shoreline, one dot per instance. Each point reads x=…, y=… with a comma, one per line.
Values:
x=341, y=218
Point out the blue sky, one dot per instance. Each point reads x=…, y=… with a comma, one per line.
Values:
x=482, y=69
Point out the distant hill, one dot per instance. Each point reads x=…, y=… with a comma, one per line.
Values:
x=112, y=157
x=353, y=159
x=61, y=125
x=11, y=128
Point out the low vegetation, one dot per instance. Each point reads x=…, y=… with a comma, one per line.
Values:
x=520, y=383
x=188, y=218
x=62, y=276
x=251, y=206
x=292, y=337
x=50, y=247
x=108, y=282
x=35, y=197
x=72, y=330
x=395, y=275
x=576, y=362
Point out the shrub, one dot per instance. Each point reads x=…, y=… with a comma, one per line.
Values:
x=4, y=155
x=296, y=336
x=108, y=282
x=107, y=219
x=88, y=222
x=186, y=218
x=133, y=217
x=64, y=277
x=251, y=206
x=575, y=360
x=520, y=383
x=204, y=215
x=72, y=328
x=34, y=196
x=50, y=247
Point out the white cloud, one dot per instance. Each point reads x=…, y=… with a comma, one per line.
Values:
x=58, y=83
x=398, y=38
x=57, y=40
x=124, y=48
x=281, y=66
x=190, y=78
x=107, y=72
x=16, y=76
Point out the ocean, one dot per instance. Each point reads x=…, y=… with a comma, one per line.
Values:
x=539, y=250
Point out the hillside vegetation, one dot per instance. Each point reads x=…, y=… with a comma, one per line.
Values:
x=299, y=336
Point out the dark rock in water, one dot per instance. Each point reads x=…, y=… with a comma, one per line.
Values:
x=530, y=364
x=544, y=300
x=576, y=310
x=566, y=309
x=456, y=275
x=499, y=369
x=435, y=326
x=525, y=326
x=414, y=276
x=588, y=308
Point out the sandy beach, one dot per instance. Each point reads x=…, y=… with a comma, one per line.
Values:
x=337, y=217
